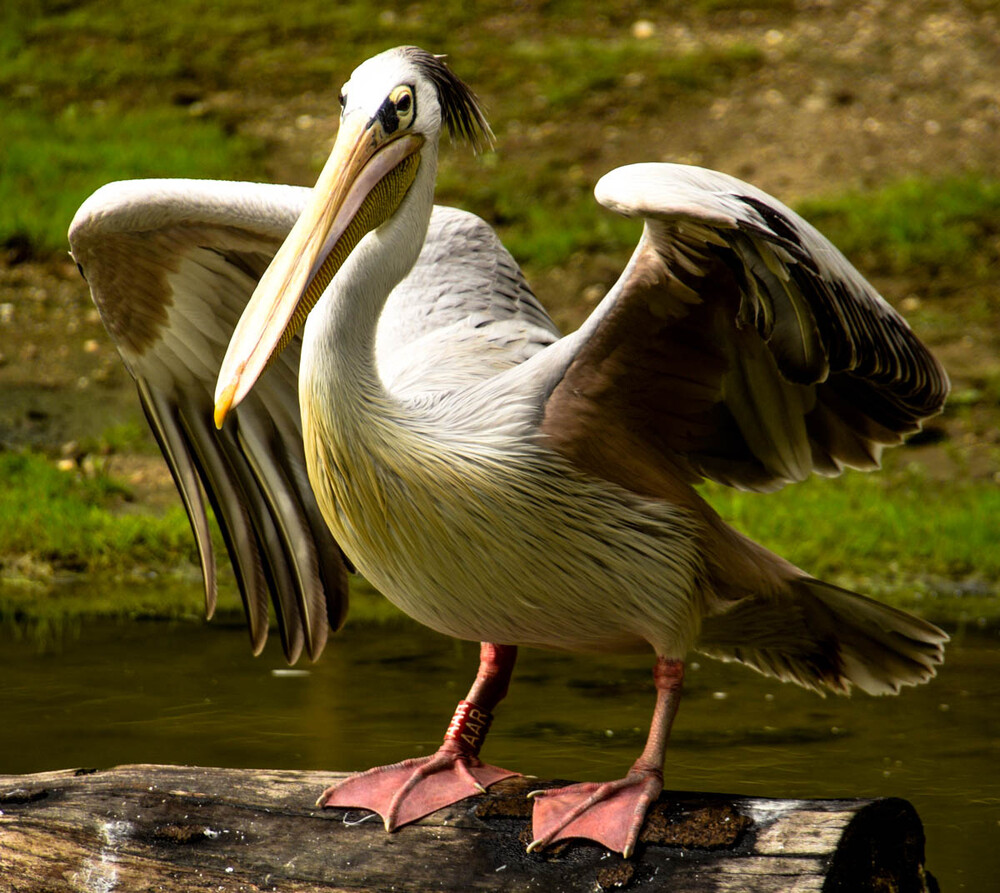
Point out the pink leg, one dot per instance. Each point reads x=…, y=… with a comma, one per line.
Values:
x=612, y=813
x=407, y=791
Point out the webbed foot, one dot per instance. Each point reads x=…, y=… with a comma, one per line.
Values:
x=407, y=791
x=610, y=813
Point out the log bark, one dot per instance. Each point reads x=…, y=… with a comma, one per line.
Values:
x=151, y=828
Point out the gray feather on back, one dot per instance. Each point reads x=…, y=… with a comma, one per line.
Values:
x=464, y=313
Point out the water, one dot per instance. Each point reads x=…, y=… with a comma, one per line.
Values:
x=104, y=694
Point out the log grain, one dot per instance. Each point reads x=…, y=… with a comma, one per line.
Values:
x=172, y=828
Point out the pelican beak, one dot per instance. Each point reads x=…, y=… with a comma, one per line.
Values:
x=362, y=184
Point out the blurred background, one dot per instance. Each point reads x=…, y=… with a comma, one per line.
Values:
x=879, y=121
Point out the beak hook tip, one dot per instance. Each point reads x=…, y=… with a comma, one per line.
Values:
x=224, y=403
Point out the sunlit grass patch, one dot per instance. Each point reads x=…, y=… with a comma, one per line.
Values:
x=49, y=165
x=94, y=47
x=54, y=521
x=69, y=549
x=132, y=436
x=935, y=224
x=896, y=533
x=543, y=215
x=98, y=91
x=924, y=228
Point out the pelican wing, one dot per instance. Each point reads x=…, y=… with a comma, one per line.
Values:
x=737, y=345
x=171, y=264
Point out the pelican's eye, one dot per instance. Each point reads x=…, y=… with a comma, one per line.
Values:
x=397, y=111
x=405, y=101
x=343, y=99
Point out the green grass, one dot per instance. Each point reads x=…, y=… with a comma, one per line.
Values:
x=49, y=165
x=54, y=522
x=81, y=48
x=916, y=225
x=100, y=91
x=937, y=232
x=67, y=51
x=132, y=436
x=72, y=545
x=575, y=74
x=546, y=233
x=898, y=522
x=898, y=535
x=104, y=47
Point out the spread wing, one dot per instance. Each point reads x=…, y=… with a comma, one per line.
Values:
x=737, y=345
x=171, y=265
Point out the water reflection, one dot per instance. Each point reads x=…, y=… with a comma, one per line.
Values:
x=102, y=694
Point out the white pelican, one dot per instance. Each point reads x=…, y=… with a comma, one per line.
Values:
x=496, y=481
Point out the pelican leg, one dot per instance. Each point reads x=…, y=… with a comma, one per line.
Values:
x=612, y=813
x=407, y=791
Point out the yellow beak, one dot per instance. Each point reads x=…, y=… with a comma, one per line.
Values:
x=362, y=184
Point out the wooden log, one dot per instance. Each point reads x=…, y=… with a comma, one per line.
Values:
x=153, y=828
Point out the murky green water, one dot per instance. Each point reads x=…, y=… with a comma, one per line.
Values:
x=104, y=694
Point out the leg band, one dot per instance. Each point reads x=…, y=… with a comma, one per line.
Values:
x=468, y=727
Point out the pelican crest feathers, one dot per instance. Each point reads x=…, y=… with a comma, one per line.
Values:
x=460, y=108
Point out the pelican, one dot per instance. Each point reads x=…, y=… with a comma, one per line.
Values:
x=430, y=428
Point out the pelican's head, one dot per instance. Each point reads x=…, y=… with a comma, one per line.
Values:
x=393, y=110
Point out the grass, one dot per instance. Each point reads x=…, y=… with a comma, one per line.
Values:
x=49, y=165
x=101, y=91
x=132, y=436
x=920, y=227
x=898, y=533
x=54, y=522
x=543, y=233
x=107, y=47
x=917, y=225
x=74, y=545
x=575, y=75
x=67, y=51
x=934, y=238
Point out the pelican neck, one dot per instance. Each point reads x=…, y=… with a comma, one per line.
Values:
x=338, y=350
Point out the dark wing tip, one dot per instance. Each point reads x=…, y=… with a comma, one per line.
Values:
x=461, y=112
